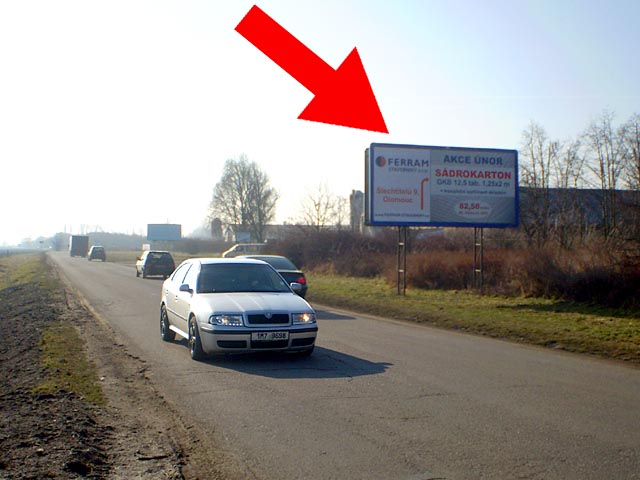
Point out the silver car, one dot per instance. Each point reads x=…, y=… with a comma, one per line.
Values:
x=235, y=305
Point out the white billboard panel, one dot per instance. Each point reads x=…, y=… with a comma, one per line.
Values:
x=164, y=231
x=441, y=186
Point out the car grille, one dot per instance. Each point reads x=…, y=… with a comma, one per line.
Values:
x=260, y=319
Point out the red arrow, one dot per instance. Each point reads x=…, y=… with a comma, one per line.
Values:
x=342, y=97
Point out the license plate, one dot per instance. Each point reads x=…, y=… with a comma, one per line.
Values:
x=269, y=336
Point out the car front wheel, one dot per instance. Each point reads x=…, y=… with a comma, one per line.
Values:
x=195, y=345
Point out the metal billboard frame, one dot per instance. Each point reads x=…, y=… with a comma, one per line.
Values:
x=424, y=166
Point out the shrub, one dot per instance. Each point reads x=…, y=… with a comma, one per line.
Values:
x=595, y=275
x=442, y=269
x=606, y=285
x=341, y=252
x=537, y=273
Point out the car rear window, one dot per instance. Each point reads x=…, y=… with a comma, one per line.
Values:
x=279, y=263
x=160, y=256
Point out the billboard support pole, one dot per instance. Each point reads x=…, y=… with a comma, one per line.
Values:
x=478, y=258
x=402, y=260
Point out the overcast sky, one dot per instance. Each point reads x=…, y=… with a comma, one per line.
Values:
x=122, y=113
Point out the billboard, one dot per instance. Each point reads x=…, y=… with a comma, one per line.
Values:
x=164, y=231
x=410, y=185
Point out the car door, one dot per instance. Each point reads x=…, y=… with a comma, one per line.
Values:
x=183, y=298
x=171, y=291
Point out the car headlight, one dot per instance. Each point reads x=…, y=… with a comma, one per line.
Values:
x=304, y=317
x=226, y=320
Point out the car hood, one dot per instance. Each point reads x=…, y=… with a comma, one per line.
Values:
x=252, y=302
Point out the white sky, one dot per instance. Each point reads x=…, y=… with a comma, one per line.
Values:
x=121, y=113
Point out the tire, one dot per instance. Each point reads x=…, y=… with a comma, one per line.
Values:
x=195, y=345
x=166, y=333
x=144, y=274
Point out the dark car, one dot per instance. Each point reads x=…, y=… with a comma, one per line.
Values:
x=97, y=253
x=286, y=268
x=155, y=262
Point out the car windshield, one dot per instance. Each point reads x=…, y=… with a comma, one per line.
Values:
x=279, y=263
x=238, y=277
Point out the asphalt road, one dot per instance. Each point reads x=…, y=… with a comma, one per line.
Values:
x=381, y=399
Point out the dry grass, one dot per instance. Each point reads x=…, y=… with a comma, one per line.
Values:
x=62, y=353
x=574, y=327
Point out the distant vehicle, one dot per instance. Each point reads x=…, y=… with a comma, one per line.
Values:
x=235, y=305
x=155, y=262
x=97, y=252
x=78, y=245
x=244, y=249
x=284, y=267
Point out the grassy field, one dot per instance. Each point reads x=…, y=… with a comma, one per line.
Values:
x=62, y=353
x=551, y=323
x=25, y=268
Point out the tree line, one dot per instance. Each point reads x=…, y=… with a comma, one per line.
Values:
x=245, y=200
x=554, y=174
x=605, y=158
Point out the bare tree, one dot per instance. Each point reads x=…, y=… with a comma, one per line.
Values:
x=320, y=208
x=539, y=155
x=341, y=212
x=630, y=137
x=569, y=165
x=244, y=198
x=606, y=162
x=570, y=218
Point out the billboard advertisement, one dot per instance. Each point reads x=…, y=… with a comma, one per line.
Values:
x=164, y=231
x=410, y=185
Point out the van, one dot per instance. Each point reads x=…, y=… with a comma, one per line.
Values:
x=244, y=249
x=155, y=262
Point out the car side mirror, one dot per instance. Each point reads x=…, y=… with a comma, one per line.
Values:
x=296, y=287
x=185, y=288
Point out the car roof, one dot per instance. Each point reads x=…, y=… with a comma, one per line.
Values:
x=216, y=260
x=278, y=260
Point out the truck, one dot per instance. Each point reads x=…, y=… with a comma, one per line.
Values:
x=78, y=245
